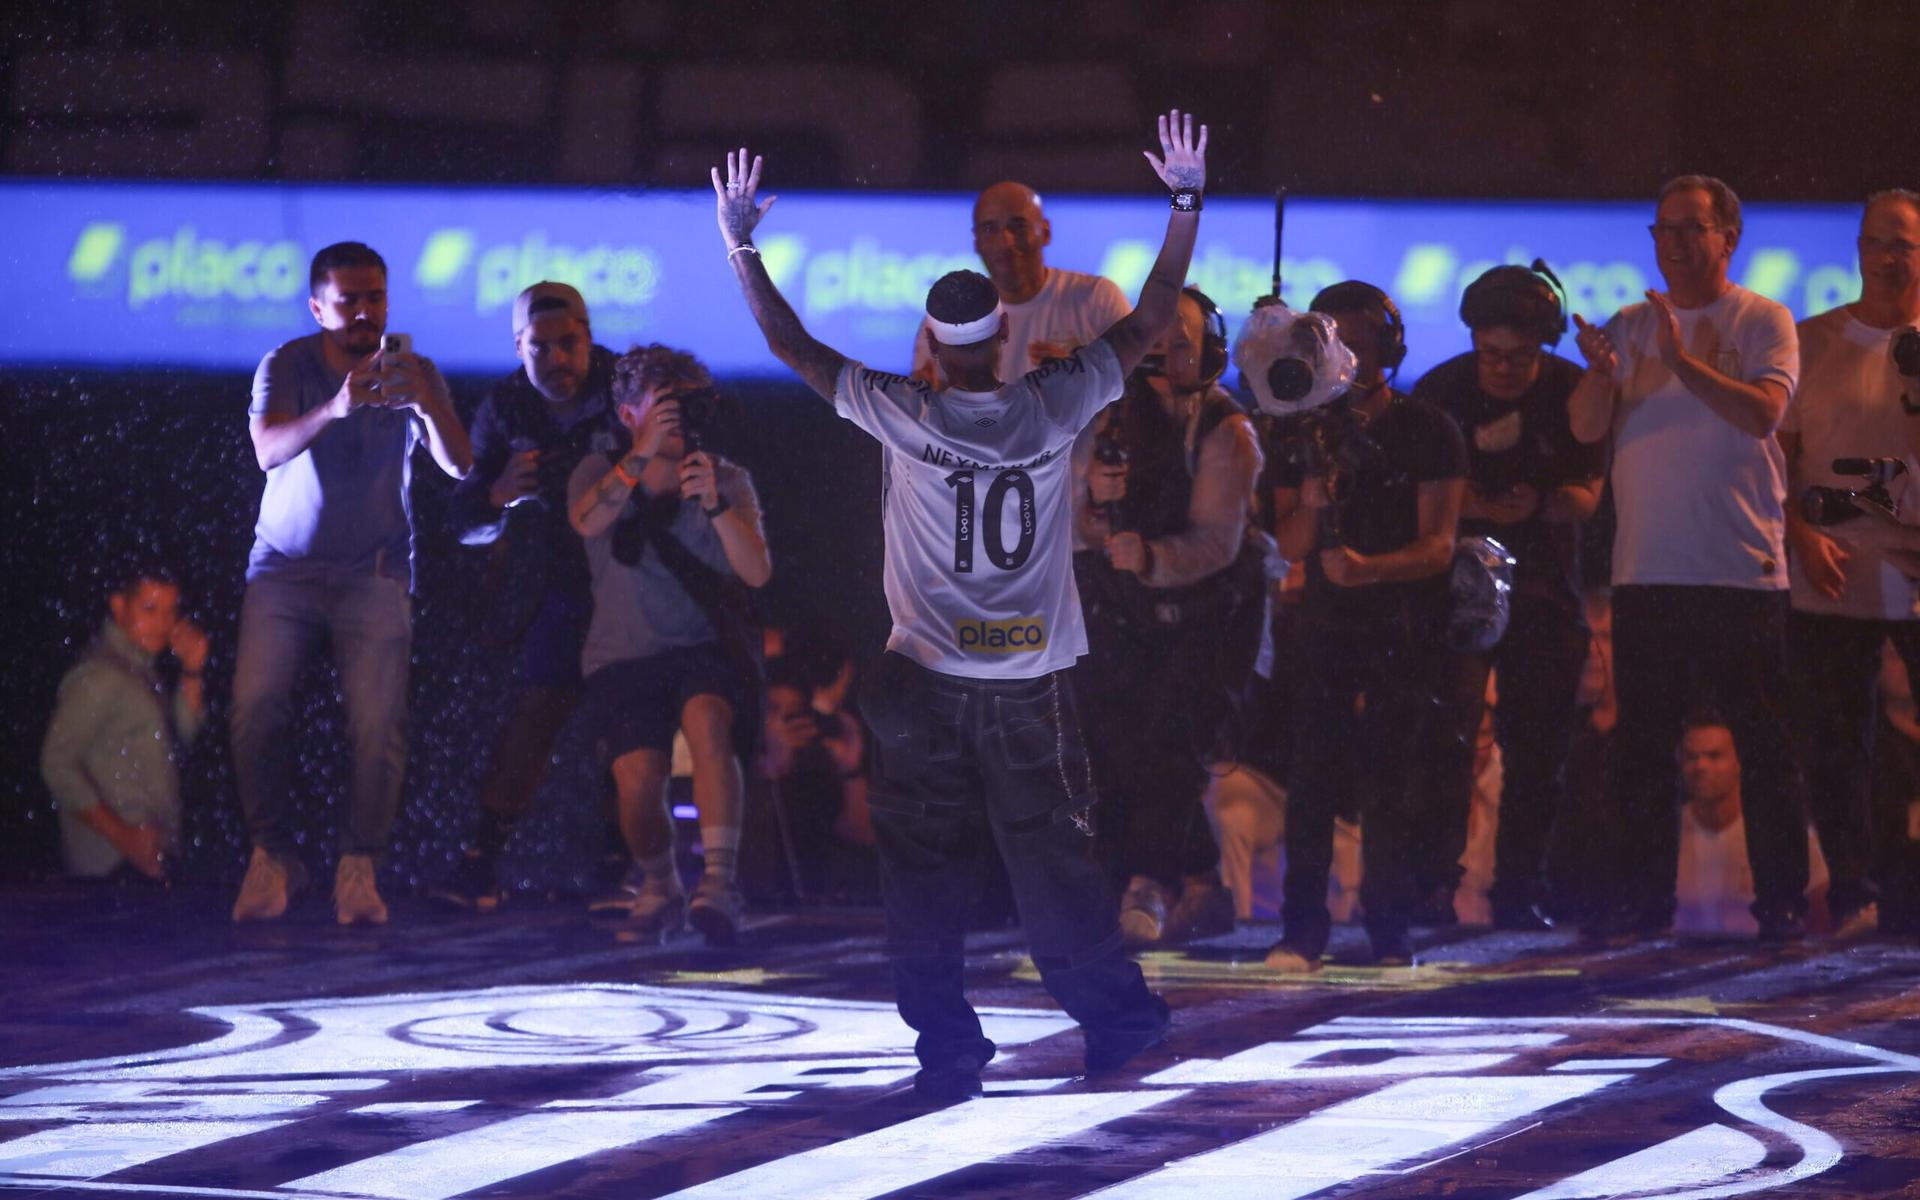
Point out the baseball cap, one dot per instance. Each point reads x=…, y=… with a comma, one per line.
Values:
x=547, y=296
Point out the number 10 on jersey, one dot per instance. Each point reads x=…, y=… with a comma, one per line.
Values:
x=984, y=520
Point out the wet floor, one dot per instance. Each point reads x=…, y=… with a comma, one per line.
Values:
x=148, y=1048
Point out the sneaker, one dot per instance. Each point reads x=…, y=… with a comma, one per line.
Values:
x=1392, y=949
x=356, y=901
x=1143, y=913
x=1521, y=918
x=619, y=902
x=1781, y=929
x=950, y=1083
x=270, y=883
x=1111, y=1049
x=1291, y=959
x=1205, y=910
x=716, y=910
x=657, y=914
x=1857, y=923
x=472, y=885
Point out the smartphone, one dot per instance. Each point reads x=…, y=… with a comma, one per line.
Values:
x=395, y=350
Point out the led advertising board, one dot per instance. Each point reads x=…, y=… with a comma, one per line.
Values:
x=210, y=276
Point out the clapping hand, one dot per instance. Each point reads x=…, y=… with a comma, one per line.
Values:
x=736, y=200
x=1183, y=160
x=1666, y=328
x=1596, y=347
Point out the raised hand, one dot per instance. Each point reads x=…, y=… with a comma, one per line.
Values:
x=1596, y=347
x=1183, y=160
x=737, y=202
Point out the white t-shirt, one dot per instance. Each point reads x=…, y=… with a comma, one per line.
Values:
x=978, y=512
x=1848, y=406
x=1699, y=500
x=1714, y=885
x=1069, y=311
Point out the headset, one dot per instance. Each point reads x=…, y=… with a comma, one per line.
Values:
x=1530, y=298
x=1354, y=295
x=1213, y=342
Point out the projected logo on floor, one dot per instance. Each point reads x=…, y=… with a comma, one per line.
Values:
x=635, y=1091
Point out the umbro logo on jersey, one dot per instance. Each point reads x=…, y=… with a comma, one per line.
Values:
x=1001, y=637
x=986, y=422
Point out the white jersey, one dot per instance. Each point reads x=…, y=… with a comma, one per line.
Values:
x=978, y=512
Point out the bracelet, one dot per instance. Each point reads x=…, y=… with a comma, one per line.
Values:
x=1185, y=199
x=620, y=470
x=717, y=509
x=744, y=248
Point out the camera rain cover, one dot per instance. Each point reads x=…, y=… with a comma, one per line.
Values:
x=1482, y=594
x=1292, y=361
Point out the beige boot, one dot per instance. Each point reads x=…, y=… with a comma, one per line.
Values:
x=355, y=900
x=269, y=884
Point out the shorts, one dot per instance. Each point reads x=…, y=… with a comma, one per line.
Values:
x=636, y=704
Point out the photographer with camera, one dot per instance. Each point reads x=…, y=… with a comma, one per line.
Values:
x=1847, y=598
x=1690, y=387
x=1529, y=482
x=1175, y=580
x=530, y=433
x=972, y=708
x=1370, y=503
x=335, y=419
x=673, y=539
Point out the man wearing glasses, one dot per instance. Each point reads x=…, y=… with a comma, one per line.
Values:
x=1529, y=483
x=1847, y=599
x=1690, y=386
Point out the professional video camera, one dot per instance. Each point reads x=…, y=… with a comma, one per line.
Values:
x=1827, y=506
x=1906, y=352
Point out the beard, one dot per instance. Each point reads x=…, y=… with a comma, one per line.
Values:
x=359, y=337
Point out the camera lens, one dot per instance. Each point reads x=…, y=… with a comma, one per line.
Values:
x=1290, y=379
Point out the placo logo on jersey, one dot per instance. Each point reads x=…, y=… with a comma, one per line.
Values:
x=1016, y=635
x=607, y=1089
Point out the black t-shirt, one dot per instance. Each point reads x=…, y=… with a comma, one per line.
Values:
x=1411, y=443
x=1525, y=441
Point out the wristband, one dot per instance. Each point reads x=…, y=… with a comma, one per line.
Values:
x=620, y=469
x=716, y=510
x=744, y=248
x=1185, y=199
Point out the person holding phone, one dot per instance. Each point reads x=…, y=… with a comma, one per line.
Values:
x=335, y=420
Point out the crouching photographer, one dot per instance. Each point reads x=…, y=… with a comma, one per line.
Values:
x=1367, y=494
x=1174, y=599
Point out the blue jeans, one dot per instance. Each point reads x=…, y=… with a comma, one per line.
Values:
x=369, y=620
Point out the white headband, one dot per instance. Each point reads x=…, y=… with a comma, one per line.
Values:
x=967, y=332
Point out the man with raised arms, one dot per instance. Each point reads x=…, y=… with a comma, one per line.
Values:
x=971, y=708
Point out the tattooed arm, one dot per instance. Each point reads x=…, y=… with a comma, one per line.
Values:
x=739, y=211
x=1182, y=167
x=596, y=494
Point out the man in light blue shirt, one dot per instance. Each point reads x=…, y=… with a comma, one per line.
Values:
x=335, y=421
